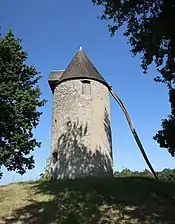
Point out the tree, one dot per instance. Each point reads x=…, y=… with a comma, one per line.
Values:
x=19, y=103
x=150, y=29
x=126, y=172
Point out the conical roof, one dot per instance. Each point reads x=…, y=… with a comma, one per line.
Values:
x=80, y=67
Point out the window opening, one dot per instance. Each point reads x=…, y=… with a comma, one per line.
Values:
x=86, y=87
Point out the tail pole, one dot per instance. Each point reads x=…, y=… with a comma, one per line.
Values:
x=133, y=131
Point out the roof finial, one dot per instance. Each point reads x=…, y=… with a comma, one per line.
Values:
x=80, y=49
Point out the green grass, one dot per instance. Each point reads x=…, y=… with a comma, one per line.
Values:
x=90, y=200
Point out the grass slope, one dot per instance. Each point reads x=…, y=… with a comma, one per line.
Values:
x=90, y=200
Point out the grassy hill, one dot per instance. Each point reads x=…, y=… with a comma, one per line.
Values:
x=90, y=200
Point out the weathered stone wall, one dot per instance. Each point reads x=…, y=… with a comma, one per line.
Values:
x=81, y=134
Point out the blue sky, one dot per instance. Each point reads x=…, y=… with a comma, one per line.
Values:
x=52, y=32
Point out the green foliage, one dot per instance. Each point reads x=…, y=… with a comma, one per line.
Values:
x=150, y=30
x=126, y=172
x=166, y=174
x=19, y=103
x=46, y=175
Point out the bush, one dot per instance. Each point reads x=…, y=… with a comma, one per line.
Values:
x=166, y=174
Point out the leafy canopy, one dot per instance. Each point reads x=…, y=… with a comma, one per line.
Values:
x=19, y=103
x=150, y=29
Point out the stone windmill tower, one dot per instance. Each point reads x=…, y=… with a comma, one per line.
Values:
x=81, y=143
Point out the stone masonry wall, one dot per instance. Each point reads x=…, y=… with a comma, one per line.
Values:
x=81, y=135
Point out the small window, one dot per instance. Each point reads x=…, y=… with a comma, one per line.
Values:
x=54, y=157
x=86, y=87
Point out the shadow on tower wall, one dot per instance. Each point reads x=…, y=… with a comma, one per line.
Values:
x=72, y=157
x=107, y=128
